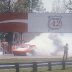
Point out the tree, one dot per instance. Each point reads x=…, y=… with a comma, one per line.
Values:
x=21, y=5
x=62, y=6
x=38, y=7
x=58, y=6
x=28, y=5
x=69, y=6
x=3, y=6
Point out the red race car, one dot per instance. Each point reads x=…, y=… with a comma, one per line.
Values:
x=23, y=49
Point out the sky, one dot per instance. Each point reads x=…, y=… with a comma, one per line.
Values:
x=48, y=4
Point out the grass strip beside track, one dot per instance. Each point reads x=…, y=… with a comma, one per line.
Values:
x=18, y=59
x=39, y=70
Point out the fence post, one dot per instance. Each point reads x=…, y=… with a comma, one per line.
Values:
x=49, y=66
x=63, y=65
x=17, y=67
x=34, y=67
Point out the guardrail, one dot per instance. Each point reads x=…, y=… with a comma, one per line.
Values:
x=34, y=65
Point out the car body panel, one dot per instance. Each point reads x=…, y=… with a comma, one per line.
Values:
x=22, y=49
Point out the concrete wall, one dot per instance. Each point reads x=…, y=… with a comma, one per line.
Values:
x=39, y=22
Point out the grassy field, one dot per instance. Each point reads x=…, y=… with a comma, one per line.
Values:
x=42, y=69
x=24, y=60
x=39, y=70
x=13, y=59
x=28, y=59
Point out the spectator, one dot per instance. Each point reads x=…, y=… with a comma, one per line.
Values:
x=4, y=45
x=65, y=52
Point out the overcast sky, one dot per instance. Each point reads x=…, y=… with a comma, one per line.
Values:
x=48, y=4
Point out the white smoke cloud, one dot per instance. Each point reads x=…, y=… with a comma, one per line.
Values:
x=43, y=43
x=48, y=43
x=57, y=42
